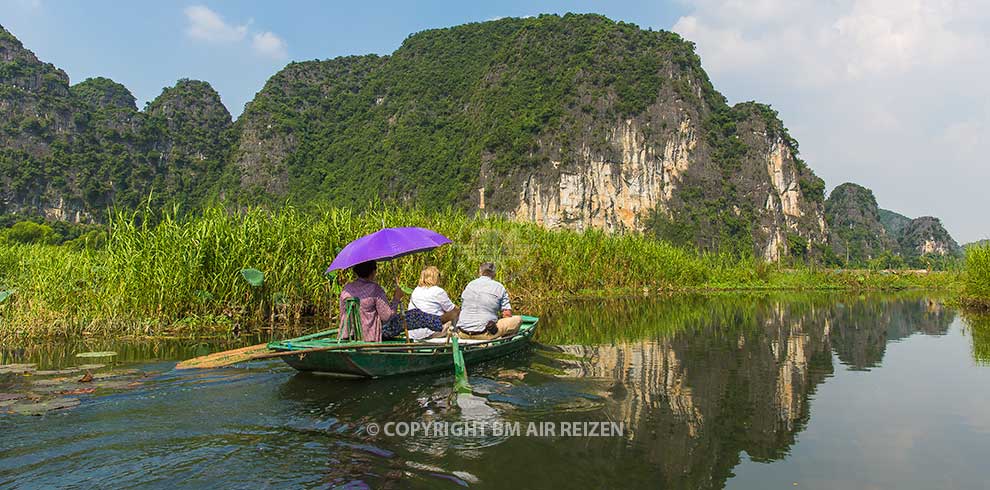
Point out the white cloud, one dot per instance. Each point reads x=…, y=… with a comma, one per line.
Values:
x=208, y=26
x=892, y=94
x=30, y=4
x=268, y=44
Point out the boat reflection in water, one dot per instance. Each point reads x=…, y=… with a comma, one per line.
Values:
x=836, y=391
x=696, y=382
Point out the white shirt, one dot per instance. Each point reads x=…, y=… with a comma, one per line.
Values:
x=483, y=300
x=432, y=300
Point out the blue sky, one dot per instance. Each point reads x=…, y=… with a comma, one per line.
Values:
x=891, y=94
x=148, y=45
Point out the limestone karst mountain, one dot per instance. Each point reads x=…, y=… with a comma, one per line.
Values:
x=572, y=121
x=860, y=231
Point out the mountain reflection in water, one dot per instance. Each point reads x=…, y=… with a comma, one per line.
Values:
x=729, y=374
x=713, y=391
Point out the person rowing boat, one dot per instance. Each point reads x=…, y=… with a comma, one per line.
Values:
x=374, y=308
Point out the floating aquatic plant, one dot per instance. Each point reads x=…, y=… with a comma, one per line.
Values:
x=254, y=277
x=96, y=354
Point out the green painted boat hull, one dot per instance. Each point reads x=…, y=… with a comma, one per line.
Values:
x=380, y=363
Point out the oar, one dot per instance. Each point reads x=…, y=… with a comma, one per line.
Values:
x=234, y=356
x=368, y=346
x=225, y=358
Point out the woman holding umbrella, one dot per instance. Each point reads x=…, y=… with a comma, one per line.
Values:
x=364, y=294
x=375, y=309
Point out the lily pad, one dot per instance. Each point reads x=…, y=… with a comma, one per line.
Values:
x=51, y=381
x=116, y=374
x=4, y=295
x=43, y=407
x=78, y=391
x=97, y=354
x=254, y=277
x=117, y=384
x=51, y=390
x=90, y=367
x=511, y=374
x=16, y=368
x=57, y=372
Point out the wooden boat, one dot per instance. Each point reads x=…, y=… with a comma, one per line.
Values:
x=390, y=358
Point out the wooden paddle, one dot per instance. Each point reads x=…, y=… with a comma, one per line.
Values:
x=368, y=346
x=261, y=351
x=234, y=356
x=225, y=358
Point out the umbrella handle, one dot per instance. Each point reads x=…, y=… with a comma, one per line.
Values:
x=405, y=326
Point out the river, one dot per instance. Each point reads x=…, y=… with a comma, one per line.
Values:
x=735, y=391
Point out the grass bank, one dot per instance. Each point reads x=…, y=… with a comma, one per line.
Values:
x=976, y=284
x=182, y=276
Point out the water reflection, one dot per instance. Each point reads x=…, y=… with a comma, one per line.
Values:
x=704, y=388
x=979, y=331
x=62, y=352
x=702, y=384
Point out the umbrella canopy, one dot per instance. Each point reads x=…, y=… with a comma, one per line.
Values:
x=387, y=244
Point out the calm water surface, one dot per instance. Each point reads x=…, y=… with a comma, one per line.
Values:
x=725, y=391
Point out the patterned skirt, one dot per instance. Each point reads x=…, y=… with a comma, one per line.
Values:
x=414, y=319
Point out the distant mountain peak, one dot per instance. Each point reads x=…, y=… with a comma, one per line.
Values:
x=105, y=93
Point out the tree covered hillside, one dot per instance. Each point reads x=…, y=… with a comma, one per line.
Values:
x=573, y=121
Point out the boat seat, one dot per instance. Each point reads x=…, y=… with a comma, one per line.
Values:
x=443, y=340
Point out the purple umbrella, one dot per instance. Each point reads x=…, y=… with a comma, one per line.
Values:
x=387, y=244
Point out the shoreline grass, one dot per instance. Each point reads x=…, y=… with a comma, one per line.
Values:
x=976, y=284
x=182, y=275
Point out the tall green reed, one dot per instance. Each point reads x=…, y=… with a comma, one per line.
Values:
x=185, y=271
x=977, y=282
x=164, y=273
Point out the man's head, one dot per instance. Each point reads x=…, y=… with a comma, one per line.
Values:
x=487, y=269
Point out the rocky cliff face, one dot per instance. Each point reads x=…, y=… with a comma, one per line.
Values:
x=893, y=222
x=69, y=152
x=189, y=132
x=857, y=233
x=573, y=121
x=926, y=236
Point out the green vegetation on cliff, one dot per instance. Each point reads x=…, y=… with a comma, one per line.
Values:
x=421, y=124
x=70, y=152
x=863, y=235
x=538, y=112
x=857, y=234
x=514, y=103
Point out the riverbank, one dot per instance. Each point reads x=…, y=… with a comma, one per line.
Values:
x=976, y=283
x=184, y=276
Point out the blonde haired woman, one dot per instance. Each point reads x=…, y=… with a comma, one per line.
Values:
x=429, y=306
